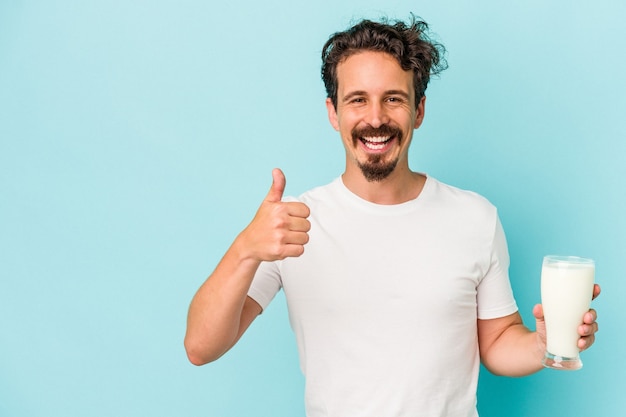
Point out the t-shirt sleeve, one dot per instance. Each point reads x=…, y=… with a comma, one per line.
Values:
x=494, y=295
x=266, y=284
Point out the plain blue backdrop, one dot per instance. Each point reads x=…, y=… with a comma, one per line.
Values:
x=137, y=139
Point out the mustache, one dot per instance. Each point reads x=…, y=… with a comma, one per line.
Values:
x=370, y=131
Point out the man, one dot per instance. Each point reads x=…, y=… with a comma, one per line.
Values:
x=397, y=285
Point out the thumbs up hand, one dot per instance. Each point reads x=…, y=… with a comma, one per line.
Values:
x=279, y=229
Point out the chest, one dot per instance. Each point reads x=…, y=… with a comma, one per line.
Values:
x=409, y=265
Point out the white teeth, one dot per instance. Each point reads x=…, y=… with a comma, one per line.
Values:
x=376, y=143
x=374, y=146
x=377, y=139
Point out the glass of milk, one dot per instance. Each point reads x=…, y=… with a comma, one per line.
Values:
x=566, y=292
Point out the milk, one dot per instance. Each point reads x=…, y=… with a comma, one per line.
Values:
x=566, y=291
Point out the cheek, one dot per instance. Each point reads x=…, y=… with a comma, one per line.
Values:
x=407, y=115
x=346, y=137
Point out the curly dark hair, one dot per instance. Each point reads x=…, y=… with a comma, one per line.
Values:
x=409, y=44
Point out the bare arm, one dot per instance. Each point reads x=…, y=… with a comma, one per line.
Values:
x=507, y=347
x=221, y=311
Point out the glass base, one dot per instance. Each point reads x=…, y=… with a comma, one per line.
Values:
x=560, y=362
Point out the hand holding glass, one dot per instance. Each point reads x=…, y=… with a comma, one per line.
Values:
x=566, y=292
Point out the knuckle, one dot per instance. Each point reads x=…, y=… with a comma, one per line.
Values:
x=279, y=222
x=275, y=250
x=279, y=209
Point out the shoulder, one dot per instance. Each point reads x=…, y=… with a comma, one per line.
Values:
x=468, y=202
x=457, y=195
x=321, y=194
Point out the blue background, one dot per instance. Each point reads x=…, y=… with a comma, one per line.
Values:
x=137, y=139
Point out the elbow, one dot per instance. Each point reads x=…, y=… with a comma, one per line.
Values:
x=507, y=368
x=494, y=370
x=198, y=356
x=195, y=359
x=490, y=363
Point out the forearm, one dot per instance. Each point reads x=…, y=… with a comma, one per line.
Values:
x=214, y=318
x=515, y=352
x=221, y=311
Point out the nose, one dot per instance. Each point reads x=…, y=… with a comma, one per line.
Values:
x=376, y=114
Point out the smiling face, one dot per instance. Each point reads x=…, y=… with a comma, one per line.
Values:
x=375, y=114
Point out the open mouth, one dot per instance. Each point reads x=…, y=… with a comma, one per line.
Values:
x=377, y=139
x=376, y=143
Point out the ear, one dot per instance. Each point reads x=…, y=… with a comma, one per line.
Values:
x=419, y=112
x=332, y=114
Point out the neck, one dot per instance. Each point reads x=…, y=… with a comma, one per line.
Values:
x=400, y=186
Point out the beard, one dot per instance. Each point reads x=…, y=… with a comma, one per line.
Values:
x=376, y=168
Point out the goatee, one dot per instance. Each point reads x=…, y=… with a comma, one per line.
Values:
x=375, y=169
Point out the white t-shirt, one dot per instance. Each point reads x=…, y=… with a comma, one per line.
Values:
x=385, y=298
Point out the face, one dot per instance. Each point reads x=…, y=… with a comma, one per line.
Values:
x=375, y=114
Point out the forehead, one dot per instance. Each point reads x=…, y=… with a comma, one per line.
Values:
x=372, y=72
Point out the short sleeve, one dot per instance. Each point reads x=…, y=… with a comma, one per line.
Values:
x=266, y=284
x=494, y=294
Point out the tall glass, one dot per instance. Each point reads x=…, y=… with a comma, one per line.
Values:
x=566, y=292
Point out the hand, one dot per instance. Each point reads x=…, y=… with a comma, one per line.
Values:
x=279, y=229
x=586, y=330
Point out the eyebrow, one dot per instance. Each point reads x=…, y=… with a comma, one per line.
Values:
x=358, y=93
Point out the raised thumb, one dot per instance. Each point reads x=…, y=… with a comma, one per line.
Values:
x=278, y=186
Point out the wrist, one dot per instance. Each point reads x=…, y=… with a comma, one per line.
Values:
x=243, y=251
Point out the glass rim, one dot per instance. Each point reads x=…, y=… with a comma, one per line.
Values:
x=573, y=260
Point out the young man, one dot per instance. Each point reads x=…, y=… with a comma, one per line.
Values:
x=397, y=284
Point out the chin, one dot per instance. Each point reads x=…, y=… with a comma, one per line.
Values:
x=376, y=172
